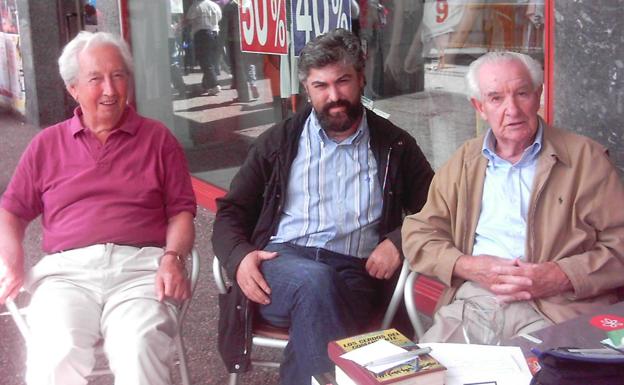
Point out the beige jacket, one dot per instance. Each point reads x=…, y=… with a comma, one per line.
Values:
x=576, y=218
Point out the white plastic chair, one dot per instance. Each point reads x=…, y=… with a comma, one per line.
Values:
x=277, y=338
x=193, y=273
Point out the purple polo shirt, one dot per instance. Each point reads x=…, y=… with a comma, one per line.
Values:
x=122, y=191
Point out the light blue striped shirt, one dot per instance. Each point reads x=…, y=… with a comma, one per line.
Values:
x=334, y=197
x=501, y=230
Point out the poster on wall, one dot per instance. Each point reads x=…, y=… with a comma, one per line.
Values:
x=11, y=70
x=263, y=26
x=311, y=18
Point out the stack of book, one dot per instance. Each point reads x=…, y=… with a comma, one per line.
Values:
x=353, y=368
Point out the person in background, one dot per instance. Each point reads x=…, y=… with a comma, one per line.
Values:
x=117, y=208
x=311, y=225
x=527, y=212
x=243, y=73
x=203, y=16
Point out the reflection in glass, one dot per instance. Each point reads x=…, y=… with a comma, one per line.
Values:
x=417, y=55
x=419, y=52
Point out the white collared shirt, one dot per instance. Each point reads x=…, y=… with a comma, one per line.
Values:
x=204, y=14
x=334, y=196
x=501, y=230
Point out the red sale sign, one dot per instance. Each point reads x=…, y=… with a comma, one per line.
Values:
x=263, y=26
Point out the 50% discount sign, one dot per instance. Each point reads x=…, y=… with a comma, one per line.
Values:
x=263, y=26
x=316, y=17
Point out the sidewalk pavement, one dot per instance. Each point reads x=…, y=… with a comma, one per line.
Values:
x=200, y=326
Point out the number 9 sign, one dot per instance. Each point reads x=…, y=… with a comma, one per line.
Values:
x=311, y=18
x=263, y=26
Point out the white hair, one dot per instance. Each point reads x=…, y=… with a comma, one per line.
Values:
x=68, y=61
x=533, y=67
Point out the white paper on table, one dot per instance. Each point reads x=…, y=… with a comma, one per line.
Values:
x=375, y=351
x=468, y=364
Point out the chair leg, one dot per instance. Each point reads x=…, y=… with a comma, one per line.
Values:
x=233, y=379
x=183, y=367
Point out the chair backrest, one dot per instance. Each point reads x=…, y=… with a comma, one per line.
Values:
x=421, y=295
x=193, y=274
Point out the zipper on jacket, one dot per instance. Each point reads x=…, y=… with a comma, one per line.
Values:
x=387, y=168
x=385, y=209
x=280, y=197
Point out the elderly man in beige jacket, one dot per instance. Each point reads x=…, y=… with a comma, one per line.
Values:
x=526, y=213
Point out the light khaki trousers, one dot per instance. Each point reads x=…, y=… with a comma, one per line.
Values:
x=101, y=291
x=519, y=317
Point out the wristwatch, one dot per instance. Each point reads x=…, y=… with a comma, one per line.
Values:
x=177, y=256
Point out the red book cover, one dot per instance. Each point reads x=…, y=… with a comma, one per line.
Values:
x=426, y=370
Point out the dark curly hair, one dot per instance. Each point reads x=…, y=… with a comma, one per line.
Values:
x=338, y=45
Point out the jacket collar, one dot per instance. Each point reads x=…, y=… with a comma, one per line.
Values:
x=380, y=136
x=380, y=133
x=552, y=146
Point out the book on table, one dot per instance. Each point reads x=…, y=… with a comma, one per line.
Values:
x=352, y=355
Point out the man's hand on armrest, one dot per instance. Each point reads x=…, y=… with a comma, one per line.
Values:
x=11, y=280
x=171, y=280
x=384, y=260
x=250, y=278
x=11, y=254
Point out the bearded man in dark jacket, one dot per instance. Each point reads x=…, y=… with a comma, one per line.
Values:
x=312, y=222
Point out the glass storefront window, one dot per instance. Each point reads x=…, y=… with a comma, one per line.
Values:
x=417, y=55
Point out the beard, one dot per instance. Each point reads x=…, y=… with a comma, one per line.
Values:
x=341, y=121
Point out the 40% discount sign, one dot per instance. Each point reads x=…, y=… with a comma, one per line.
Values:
x=311, y=18
x=263, y=26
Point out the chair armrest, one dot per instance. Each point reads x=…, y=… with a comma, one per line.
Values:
x=18, y=318
x=219, y=276
x=397, y=295
x=410, y=305
x=193, y=275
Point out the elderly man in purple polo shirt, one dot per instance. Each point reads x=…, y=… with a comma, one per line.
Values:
x=117, y=210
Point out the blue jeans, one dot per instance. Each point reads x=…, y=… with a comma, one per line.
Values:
x=320, y=296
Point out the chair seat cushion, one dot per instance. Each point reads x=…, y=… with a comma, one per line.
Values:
x=265, y=330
